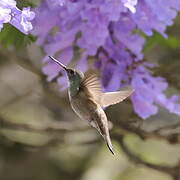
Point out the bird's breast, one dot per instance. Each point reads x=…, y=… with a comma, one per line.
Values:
x=82, y=105
x=88, y=110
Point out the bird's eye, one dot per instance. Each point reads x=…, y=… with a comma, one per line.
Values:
x=71, y=72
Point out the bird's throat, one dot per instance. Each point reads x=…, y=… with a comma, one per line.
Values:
x=74, y=88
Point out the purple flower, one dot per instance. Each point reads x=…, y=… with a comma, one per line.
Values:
x=5, y=11
x=142, y=107
x=169, y=103
x=4, y=16
x=27, y=16
x=130, y=4
x=45, y=20
x=56, y=3
x=82, y=63
x=8, y=3
x=155, y=15
x=147, y=88
x=21, y=19
x=95, y=30
x=9, y=13
x=108, y=34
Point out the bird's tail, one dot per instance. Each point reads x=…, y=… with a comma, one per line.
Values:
x=109, y=144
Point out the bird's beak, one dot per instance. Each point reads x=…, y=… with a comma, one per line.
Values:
x=62, y=65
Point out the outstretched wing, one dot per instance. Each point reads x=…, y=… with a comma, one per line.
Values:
x=111, y=98
x=91, y=82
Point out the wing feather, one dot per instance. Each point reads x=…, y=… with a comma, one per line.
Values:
x=92, y=84
x=111, y=98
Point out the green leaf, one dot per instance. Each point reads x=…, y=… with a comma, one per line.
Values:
x=25, y=3
x=10, y=36
x=157, y=39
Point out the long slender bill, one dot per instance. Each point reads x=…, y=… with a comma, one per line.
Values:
x=62, y=65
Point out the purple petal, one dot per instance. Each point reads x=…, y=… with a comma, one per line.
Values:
x=21, y=19
x=142, y=107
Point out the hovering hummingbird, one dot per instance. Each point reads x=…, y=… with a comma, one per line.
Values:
x=87, y=99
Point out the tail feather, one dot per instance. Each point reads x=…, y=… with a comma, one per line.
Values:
x=109, y=144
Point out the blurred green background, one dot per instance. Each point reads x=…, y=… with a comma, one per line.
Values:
x=76, y=151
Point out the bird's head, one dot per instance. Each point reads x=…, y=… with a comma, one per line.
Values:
x=72, y=74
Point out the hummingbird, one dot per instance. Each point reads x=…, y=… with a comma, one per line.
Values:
x=88, y=100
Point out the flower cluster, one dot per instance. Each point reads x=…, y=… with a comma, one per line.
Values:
x=9, y=13
x=108, y=31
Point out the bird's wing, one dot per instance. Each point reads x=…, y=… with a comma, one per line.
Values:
x=111, y=98
x=91, y=82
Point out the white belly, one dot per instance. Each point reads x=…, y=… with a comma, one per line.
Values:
x=82, y=106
